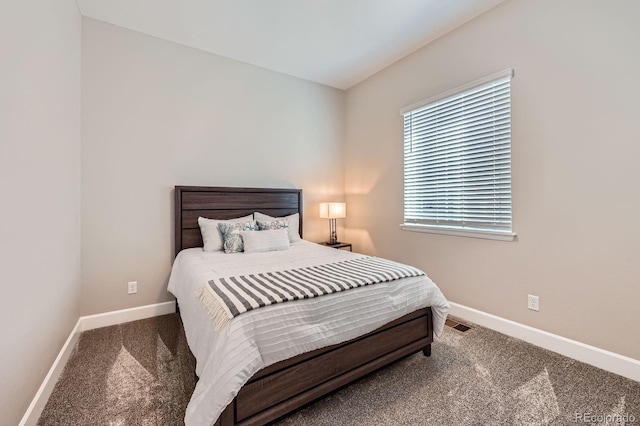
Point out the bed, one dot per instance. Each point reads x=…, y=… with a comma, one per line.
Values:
x=276, y=384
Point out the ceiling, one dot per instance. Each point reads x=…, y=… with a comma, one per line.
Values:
x=334, y=42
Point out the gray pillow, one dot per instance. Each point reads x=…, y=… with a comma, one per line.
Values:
x=231, y=238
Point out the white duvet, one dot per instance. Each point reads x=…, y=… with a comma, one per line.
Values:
x=227, y=359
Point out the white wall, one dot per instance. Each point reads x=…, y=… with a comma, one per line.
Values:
x=157, y=114
x=576, y=133
x=40, y=175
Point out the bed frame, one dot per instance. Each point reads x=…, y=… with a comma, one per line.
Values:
x=281, y=388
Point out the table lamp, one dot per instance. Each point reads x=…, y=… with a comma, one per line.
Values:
x=333, y=211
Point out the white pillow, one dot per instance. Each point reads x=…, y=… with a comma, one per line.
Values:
x=261, y=241
x=211, y=235
x=293, y=219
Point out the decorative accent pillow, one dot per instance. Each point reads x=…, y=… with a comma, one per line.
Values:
x=293, y=220
x=232, y=240
x=274, y=224
x=211, y=235
x=271, y=240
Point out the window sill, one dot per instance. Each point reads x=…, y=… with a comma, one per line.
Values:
x=472, y=233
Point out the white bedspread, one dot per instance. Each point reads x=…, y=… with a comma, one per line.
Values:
x=227, y=359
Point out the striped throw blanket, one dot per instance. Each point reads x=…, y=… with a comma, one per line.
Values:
x=226, y=298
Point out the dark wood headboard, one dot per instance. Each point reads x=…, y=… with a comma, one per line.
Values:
x=227, y=203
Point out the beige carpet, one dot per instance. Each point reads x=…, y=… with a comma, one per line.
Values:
x=142, y=373
x=138, y=373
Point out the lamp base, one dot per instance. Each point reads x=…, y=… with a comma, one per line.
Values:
x=333, y=236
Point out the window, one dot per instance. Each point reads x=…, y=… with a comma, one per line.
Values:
x=457, y=161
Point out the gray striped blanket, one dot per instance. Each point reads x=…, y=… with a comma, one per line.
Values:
x=226, y=298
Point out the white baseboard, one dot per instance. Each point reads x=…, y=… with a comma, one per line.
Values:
x=609, y=361
x=32, y=414
x=126, y=315
x=85, y=323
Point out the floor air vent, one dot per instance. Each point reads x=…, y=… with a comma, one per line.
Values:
x=457, y=325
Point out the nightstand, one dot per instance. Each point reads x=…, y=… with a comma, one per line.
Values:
x=339, y=245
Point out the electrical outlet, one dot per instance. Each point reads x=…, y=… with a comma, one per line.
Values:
x=132, y=287
x=534, y=303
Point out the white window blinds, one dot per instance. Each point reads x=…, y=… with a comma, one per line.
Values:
x=457, y=158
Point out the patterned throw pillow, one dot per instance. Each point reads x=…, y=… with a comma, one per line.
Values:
x=274, y=224
x=293, y=220
x=232, y=240
x=211, y=235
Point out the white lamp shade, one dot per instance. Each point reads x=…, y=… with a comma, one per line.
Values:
x=333, y=210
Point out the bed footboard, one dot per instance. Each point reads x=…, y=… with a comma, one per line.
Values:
x=284, y=387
